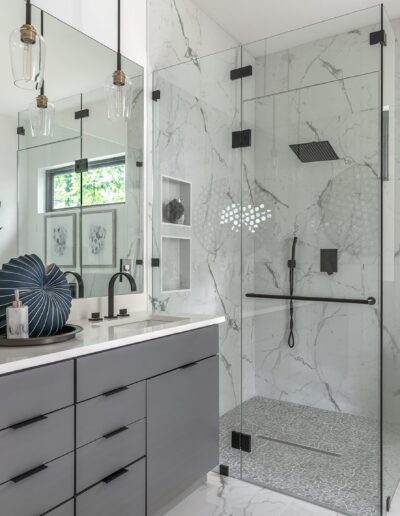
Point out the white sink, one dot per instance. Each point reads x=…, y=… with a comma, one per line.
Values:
x=146, y=322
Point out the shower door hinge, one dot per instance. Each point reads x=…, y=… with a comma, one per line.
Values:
x=155, y=262
x=241, y=441
x=156, y=95
x=139, y=164
x=241, y=139
x=241, y=73
x=81, y=165
x=83, y=113
x=224, y=470
x=21, y=131
x=376, y=37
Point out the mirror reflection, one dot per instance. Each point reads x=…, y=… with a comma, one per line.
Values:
x=71, y=177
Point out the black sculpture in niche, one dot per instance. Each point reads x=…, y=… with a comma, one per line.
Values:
x=174, y=211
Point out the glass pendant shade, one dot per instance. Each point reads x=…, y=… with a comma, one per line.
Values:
x=41, y=115
x=27, y=49
x=118, y=91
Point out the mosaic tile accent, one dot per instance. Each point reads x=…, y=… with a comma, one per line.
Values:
x=343, y=475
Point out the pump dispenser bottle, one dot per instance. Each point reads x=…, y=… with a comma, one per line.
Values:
x=17, y=319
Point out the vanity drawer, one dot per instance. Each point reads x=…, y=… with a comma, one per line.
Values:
x=104, y=456
x=36, y=491
x=67, y=509
x=36, y=441
x=114, y=409
x=28, y=394
x=123, y=366
x=122, y=494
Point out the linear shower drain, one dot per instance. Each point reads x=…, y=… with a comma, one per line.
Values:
x=302, y=446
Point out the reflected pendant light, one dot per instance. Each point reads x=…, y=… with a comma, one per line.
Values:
x=41, y=111
x=27, y=51
x=118, y=87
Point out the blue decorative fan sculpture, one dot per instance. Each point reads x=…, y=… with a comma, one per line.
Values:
x=47, y=295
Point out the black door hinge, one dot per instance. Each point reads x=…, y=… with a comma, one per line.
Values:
x=21, y=130
x=240, y=73
x=156, y=95
x=224, y=470
x=139, y=164
x=83, y=113
x=81, y=165
x=155, y=262
x=241, y=441
x=241, y=139
x=377, y=37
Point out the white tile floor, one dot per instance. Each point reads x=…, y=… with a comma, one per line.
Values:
x=223, y=496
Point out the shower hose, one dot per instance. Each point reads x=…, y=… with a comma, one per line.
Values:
x=291, y=265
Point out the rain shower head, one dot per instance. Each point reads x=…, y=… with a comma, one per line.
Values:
x=314, y=151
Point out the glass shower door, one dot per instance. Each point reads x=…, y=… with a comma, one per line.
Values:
x=311, y=212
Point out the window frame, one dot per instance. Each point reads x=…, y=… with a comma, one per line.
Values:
x=67, y=169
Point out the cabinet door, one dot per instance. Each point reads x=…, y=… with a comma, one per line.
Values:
x=182, y=426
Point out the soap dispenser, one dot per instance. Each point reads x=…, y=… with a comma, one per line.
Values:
x=17, y=319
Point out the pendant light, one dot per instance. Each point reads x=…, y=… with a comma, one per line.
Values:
x=27, y=51
x=41, y=111
x=118, y=87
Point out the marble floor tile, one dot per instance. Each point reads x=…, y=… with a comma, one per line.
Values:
x=223, y=496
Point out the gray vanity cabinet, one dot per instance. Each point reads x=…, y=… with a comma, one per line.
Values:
x=182, y=430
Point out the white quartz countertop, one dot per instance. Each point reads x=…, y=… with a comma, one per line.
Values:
x=101, y=336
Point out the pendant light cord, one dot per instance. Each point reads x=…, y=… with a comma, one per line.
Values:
x=28, y=12
x=119, y=37
x=42, y=33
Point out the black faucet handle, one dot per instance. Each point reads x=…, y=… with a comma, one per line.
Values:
x=123, y=312
x=95, y=317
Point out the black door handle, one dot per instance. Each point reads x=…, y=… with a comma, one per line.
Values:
x=192, y=364
x=115, y=475
x=28, y=474
x=115, y=432
x=28, y=422
x=115, y=391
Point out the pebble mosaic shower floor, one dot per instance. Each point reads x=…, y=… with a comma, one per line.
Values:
x=326, y=458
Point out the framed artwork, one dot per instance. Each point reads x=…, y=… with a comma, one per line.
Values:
x=60, y=240
x=99, y=238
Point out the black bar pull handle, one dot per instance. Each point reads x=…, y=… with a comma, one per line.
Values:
x=369, y=301
x=115, y=432
x=27, y=422
x=186, y=366
x=28, y=474
x=115, y=475
x=115, y=391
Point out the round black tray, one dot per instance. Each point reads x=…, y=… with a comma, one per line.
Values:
x=67, y=333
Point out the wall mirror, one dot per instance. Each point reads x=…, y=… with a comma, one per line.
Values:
x=75, y=196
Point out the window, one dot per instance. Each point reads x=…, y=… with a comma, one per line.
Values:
x=103, y=183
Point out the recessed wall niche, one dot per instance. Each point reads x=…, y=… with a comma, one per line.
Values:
x=176, y=201
x=175, y=264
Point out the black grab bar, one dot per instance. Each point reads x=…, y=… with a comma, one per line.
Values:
x=370, y=301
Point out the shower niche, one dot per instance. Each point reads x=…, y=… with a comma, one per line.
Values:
x=176, y=201
x=175, y=263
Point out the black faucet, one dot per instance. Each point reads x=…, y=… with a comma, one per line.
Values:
x=79, y=280
x=111, y=291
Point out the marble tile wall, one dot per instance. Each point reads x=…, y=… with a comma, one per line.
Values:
x=180, y=31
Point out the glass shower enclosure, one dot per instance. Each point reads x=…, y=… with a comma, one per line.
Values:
x=284, y=173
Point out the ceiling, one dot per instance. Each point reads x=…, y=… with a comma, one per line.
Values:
x=250, y=20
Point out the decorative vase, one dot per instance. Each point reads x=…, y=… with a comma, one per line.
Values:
x=43, y=289
x=174, y=212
